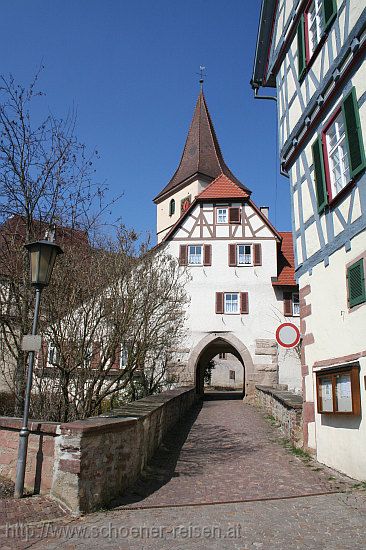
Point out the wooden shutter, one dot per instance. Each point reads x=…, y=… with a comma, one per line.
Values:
x=95, y=358
x=207, y=254
x=287, y=304
x=257, y=254
x=43, y=354
x=320, y=184
x=356, y=148
x=183, y=254
x=356, y=284
x=117, y=357
x=329, y=12
x=219, y=302
x=234, y=214
x=301, y=52
x=244, y=302
x=232, y=255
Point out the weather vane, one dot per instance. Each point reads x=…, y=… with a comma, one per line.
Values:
x=202, y=74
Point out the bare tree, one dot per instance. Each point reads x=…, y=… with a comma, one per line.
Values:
x=112, y=320
x=45, y=177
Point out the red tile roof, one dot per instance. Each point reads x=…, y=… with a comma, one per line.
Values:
x=223, y=188
x=285, y=261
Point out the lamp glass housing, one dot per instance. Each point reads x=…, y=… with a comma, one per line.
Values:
x=42, y=260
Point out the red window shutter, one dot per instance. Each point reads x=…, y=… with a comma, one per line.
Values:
x=234, y=214
x=207, y=254
x=244, y=302
x=219, y=302
x=43, y=354
x=287, y=304
x=257, y=253
x=95, y=358
x=232, y=255
x=117, y=357
x=183, y=254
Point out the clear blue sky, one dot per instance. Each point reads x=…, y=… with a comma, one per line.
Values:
x=130, y=69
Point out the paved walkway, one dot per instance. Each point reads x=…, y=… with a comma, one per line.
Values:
x=221, y=480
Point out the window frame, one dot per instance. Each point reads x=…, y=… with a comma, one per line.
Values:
x=294, y=314
x=309, y=55
x=326, y=157
x=353, y=370
x=172, y=207
x=188, y=255
x=238, y=303
x=52, y=346
x=218, y=208
x=123, y=354
x=238, y=264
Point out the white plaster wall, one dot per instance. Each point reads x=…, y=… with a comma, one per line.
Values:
x=221, y=375
x=265, y=307
x=338, y=332
x=289, y=373
x=164, y=221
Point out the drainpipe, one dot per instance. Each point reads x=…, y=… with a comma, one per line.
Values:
x=256, y=96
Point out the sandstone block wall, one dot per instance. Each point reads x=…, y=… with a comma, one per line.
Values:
x=286, y=408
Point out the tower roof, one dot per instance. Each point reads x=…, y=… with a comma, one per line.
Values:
x=223, y=188
x=201, y=154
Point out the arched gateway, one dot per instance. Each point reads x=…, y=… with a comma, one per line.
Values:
x=210, y=346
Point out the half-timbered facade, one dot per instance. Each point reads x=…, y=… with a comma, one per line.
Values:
x=313, y=53
x=241, y=268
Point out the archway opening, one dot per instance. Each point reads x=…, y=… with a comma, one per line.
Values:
x=220, y=371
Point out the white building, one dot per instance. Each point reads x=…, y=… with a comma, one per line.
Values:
x=242, y=280
x=313, y=53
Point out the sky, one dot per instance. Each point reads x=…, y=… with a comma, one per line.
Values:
x=130, y=69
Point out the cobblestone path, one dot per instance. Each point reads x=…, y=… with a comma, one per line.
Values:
x=225, y=452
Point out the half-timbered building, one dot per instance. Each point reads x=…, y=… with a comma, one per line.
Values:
x=313, y=53
x=241, y=268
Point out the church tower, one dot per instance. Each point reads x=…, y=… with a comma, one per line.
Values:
x=200, y=164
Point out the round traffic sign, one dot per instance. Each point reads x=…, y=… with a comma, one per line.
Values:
x=288, y=335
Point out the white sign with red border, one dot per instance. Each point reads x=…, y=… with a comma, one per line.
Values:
x=288, y=335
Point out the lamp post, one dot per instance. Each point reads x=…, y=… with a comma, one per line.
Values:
x=42, y=260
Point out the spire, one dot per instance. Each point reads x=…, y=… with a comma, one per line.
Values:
x=201, y=154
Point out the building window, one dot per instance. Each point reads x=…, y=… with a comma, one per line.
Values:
x=195, y=254
x=53, y=355
x=123, y=358
x=314, y=26
x=295, y=304
x=244, y=254
x=337, y=155
x=231, y=302
x=222, y=355
x=231, y=375
x=338, y=391
x=222, y=215
x=356, y=283
x=172, y=207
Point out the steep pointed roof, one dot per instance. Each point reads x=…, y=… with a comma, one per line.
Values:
x=201, y=154
x=223, y=188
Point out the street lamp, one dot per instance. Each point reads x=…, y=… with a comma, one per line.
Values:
x=42, y=260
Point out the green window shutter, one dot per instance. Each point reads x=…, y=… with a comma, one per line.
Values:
x=356, y=284
x=320, y=186
x=356, y=149
x=301, y=47
x=329, y=12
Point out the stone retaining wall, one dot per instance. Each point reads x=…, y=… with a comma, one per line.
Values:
x=285, y=407
x=86, y=464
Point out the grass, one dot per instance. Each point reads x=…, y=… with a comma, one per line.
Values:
x=361, y=485
x=300, y=453
x=271, y=419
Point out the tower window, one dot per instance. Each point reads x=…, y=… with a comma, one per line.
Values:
x=172, y=207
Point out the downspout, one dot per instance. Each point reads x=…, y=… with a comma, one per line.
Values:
x=255, y=87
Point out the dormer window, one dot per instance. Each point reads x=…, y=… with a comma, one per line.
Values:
x=222, y=215
x=172, y=207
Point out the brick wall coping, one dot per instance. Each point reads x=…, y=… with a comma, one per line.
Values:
x=288, y=399
x=35, y=426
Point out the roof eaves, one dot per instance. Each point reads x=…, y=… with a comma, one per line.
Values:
x=264, y=37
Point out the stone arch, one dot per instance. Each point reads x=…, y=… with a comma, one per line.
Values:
x=239, y=348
